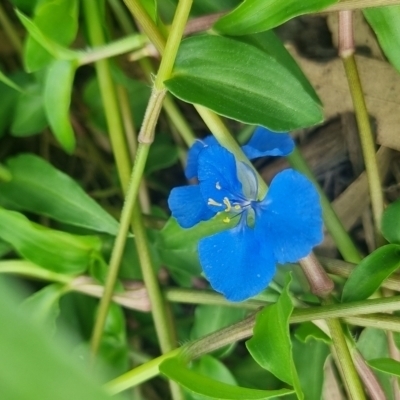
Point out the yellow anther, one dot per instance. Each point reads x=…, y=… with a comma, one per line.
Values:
x=218, y=186
x=226, y=220
x=212, y=202
x=237, y=207
x=228, y=204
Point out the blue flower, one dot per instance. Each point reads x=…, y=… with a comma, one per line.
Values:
x=262, y=143
x=282, y=227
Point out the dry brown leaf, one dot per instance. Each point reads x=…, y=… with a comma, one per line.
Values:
x=381, y=86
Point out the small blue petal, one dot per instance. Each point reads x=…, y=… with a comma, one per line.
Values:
x=188, y=206
x=267, y=143
x=193, y=154
x=217, y=176
x=236, y=263
x=290, y=217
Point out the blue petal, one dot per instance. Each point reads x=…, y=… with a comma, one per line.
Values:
x=290, y=217
x=236, y=263
x=193, y=154
x=267, y=143
x=188, y=206
x=217, y=176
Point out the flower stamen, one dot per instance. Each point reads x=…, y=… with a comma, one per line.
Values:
x=212, y=202
x=228, y=204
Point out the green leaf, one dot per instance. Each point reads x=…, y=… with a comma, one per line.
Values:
x=7, y=81
x=138, y=93
x=29, y=117
x=308, y=331
x=269, y=43
x=213, y=368
x=38, y=368
x=54, y=25
x=55, y=250
x=114, y=347
x=27, y=6
x=241, y=82
x=390, y=223
x=373, y=344
x=57, y=99
x=368, y=276
x=177, y=246
x=208, y=319
x=385, y=21
x=43, y=306
x=270, y=345
x=200, y=384
x=311, y=374
x=386, y=365
x=163, y=153
x=254, y=16
x=38, y=187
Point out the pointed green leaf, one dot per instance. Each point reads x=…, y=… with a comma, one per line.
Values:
x=38, y=368
x=385, y=21
x=390, y=223
x=386, y=365
x=54, y=25
x=308, y=331
x=200, y=384
x=7, y=81
x=311, y=374
x=209, y=366
x=43, y=306
x=38, y=187
x=368, y=276
x=271, y=346
x=254, y=16
x=241, y=82
x=29, y=117
x=114, y=347
x=57, y=99
x=269, y=43
x=55, y=250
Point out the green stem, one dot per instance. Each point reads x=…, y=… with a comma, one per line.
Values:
x=138, y=375
x=346, y=51
x=121, y=46
x=145, y=137
x=108, y=93
x=162, y=325
x=122, y=16
x=147, y=24
x=109, y=99
x=10, y=31
x=28, y=269
x=190, y=296
x=119, y=245
x=345, y=362
x=342, y=239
